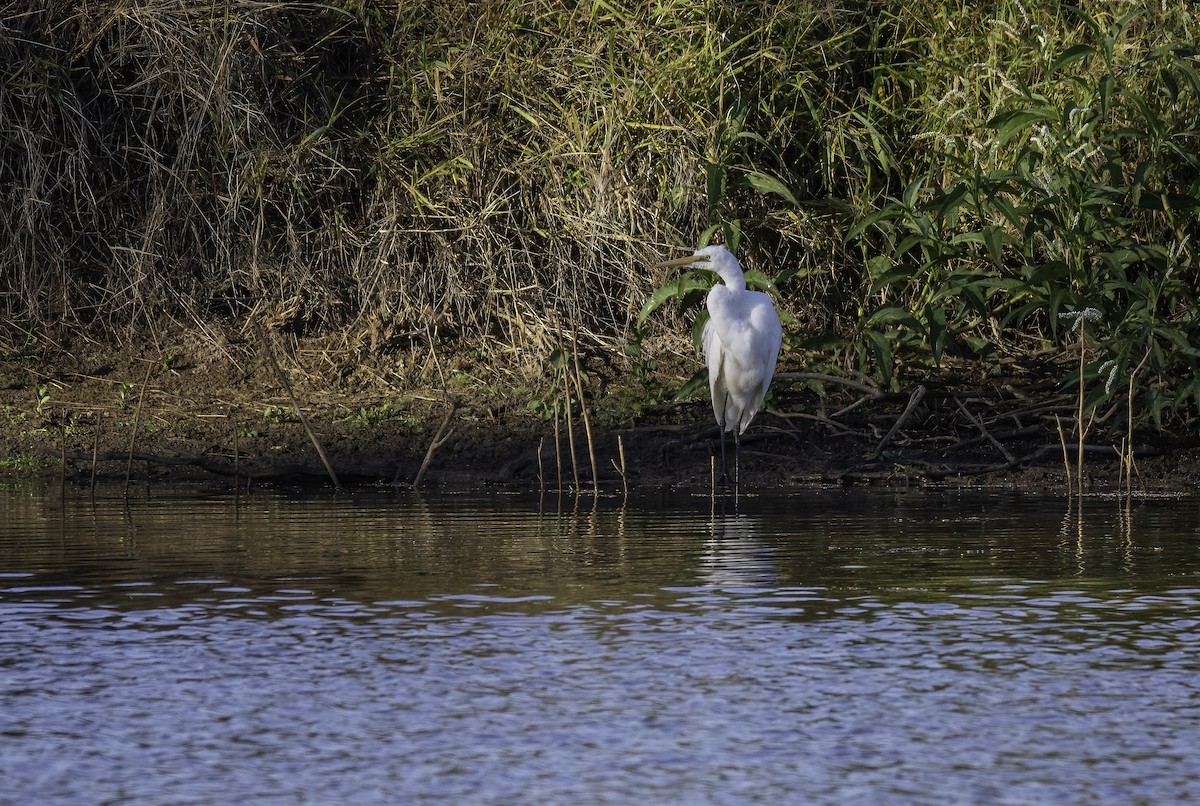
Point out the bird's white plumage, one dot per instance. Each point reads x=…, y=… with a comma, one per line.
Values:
x=741, y=341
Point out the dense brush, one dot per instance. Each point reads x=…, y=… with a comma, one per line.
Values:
x=495, y=177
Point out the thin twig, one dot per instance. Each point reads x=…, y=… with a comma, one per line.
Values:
x=541, y=478
x=913, y=400
x=1081, y=429
x=847, y=409
x=620, y=468
x=570, y=427
x=1003, y=450
x=237, y=456
x=439, y=439
x=712, y=481
x=95, y=449
x=557, y=450
x=1062, y=440
x=823, y=378
x=587, y=423
x=296, y=404
x=1130, y=467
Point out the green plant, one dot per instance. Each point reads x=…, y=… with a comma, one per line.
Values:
x=368, y=416
x=278, y=414
x=13, y=414
x=1085, y=200
x=42, y=399
x=21, y=465
x=123, y=395
x=72, y=427
x=1084, y=415
x=355, y=172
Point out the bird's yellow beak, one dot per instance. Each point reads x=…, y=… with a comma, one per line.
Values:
x=682, y=261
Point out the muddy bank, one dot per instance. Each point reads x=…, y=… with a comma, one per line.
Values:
x=89, y=411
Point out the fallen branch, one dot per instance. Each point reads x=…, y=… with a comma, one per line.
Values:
x=913, y=400
x=439, y=439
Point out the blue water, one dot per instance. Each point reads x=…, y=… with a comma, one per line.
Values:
x=830, y=647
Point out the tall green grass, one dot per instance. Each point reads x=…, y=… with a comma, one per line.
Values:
x=1075, y=189
x=920, y=180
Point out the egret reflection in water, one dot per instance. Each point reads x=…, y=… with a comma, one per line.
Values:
x=735, y=557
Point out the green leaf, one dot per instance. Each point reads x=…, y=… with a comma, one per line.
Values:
x=1015, y=216
x=692, y=386
x=1004, y=283
x=996, y=238
x=909, y=242
x=769, y=185
x=883, y=355
x=698, y=330
x=1179, y=341
x=935, y=318
x=912, y=191
x=947, y=206
x=898, y=276
x=892, y=315
x=675, y=289
x=878, y=265
x=714, y=179
x=1053, y=272
x=1070, y=56
x=823, y=342
x=870, y=220
x=1009, y=124
x=757, y=280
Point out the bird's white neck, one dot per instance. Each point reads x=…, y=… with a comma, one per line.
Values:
x=733, y=278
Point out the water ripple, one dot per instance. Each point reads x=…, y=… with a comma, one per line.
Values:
x=407, y=654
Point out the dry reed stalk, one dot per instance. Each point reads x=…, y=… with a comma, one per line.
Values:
x=95, y=450
x=137, y=416
x=712, y=478
x=570, y=428
x=237, y=482
x=1127, y=455
x=1080, y=429
x=621, y=453
x=1121, y=464
x=620, y=468
x=1062, y=440
x=587, y=423
x=541, y=479
x=557, y=451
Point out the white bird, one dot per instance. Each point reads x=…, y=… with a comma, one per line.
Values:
x=741, y=345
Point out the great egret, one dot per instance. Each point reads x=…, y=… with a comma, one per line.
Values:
x=741, y=345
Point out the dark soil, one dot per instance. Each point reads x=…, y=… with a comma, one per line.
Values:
x=82, y=409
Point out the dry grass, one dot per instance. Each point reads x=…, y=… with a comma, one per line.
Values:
x=366, y=175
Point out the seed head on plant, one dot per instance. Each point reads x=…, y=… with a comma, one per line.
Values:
x=1087, y=314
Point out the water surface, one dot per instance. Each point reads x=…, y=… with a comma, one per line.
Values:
x=828, y=647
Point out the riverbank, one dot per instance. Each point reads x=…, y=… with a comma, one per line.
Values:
x=78, y=409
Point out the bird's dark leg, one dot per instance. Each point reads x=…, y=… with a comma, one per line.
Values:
x=724, y=468
x=737, y=464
